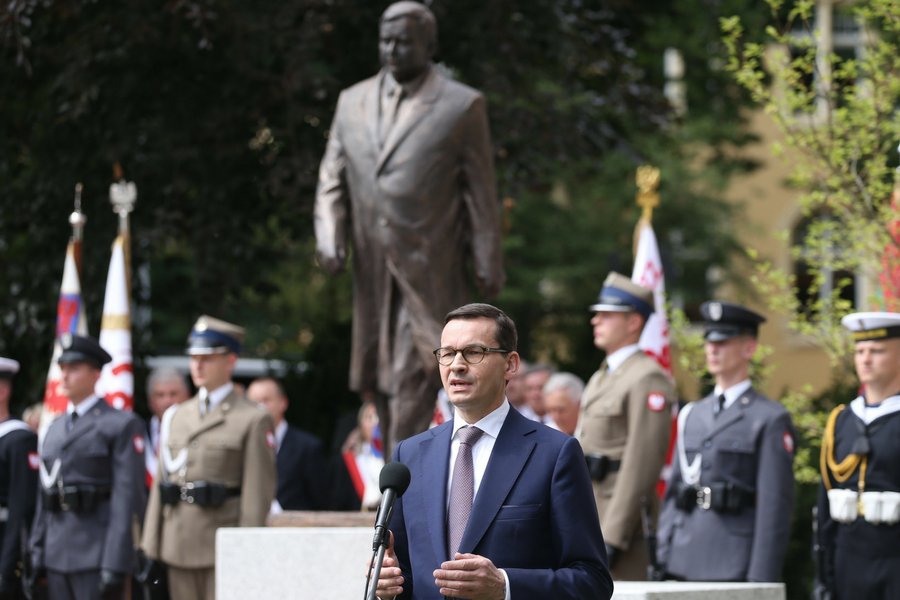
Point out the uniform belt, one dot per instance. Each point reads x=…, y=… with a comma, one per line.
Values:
x=721, y=497
x=75, y=498
x=600, y=465
x=201, y=493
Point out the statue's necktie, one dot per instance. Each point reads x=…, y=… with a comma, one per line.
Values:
x=461, y=489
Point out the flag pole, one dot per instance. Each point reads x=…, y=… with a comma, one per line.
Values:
x=123, y=196
x=77, y=220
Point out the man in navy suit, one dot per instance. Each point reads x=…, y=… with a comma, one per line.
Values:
x=532, y=530
x=299, y=456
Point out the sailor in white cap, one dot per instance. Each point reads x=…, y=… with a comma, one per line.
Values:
x=216, y=468
x=18, y=484
x=859, y=500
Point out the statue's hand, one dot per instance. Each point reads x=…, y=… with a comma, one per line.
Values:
x=332, y=264
x=490, y=288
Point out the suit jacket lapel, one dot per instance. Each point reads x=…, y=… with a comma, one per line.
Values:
x=369, y=108
x=434, y=454
x=602, y=384
x=511, y=452
x=733, y=413
x=419, y=105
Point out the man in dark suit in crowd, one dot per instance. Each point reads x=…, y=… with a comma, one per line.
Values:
x=18, y=484
x=408, y=176
x=533, y=532
x=92, y=484
x=299, y=456
x=730, y=497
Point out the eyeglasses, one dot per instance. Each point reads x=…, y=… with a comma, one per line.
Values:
x=471, y=354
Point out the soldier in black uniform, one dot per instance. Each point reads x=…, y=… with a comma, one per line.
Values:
x=859, y=500
x=92, y=485
x=18, y=484
x=730, y=496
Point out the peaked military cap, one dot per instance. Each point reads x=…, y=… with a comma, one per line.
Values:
x=8, y=367
x=866, y=326
x=215, y=336
x=724, y=320
x=621, y=294
x=81, y=348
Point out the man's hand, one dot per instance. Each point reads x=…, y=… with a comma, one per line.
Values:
x=112, y=584
x=330, y=263
x=470, y=576
x=612, y=555
x=390, y=579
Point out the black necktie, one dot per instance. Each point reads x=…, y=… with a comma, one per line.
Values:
x=71, y=422
x=721, y=399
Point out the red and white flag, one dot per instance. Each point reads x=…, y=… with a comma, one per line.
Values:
x=648, y=272
x=70, y=318
x=117, y=379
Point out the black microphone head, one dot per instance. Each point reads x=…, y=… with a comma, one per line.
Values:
x=395, y=476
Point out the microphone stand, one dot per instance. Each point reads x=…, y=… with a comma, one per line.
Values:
x=379, y=546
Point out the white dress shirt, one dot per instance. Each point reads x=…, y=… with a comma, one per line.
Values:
x=732, y=393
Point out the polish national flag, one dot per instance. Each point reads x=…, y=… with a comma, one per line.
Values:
x=117, y=379
x=648, y=272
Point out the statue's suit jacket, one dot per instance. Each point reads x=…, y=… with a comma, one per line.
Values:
x=232, y=445
x=418, y=209
x=104, y=449
x=751, y=445
x=534, y=514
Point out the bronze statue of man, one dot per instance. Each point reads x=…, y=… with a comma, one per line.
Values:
x=408, y=177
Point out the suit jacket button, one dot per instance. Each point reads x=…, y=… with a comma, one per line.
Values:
x=383, y=221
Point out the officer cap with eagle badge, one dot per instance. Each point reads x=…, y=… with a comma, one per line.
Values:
x=621, y=294
x=214, y=336
x=724, y=320
x=82, y=349
x=8, y=368
x=866, y=326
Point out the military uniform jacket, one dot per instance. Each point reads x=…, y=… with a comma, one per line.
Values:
x=626, y=415
x=104, y=449
x=232, y=445
x=18, y=484
x=750, y=445
x=860, y=543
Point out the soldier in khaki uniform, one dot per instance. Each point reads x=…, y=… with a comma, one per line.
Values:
x=625, y=424
x=216, y=469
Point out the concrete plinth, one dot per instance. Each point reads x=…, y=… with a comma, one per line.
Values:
x=329, y=563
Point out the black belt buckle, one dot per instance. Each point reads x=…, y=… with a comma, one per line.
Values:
x=169, y=493
x=70, y=498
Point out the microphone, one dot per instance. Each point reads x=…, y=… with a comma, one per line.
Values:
x=393, y=481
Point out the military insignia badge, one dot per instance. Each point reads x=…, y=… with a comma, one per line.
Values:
x=656, y=401
x=65, y=340
x=270, y=439
x=788, y=440
x=138, y=442
x=715, y=311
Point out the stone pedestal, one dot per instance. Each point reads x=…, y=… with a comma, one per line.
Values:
x=329, y=563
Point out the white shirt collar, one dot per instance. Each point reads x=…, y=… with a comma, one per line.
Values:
x=615, y=359
x=83, y=406
x=490, y=424
x=217, y=395
x=867, y=413
x=280, y=432
x=732, y=393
